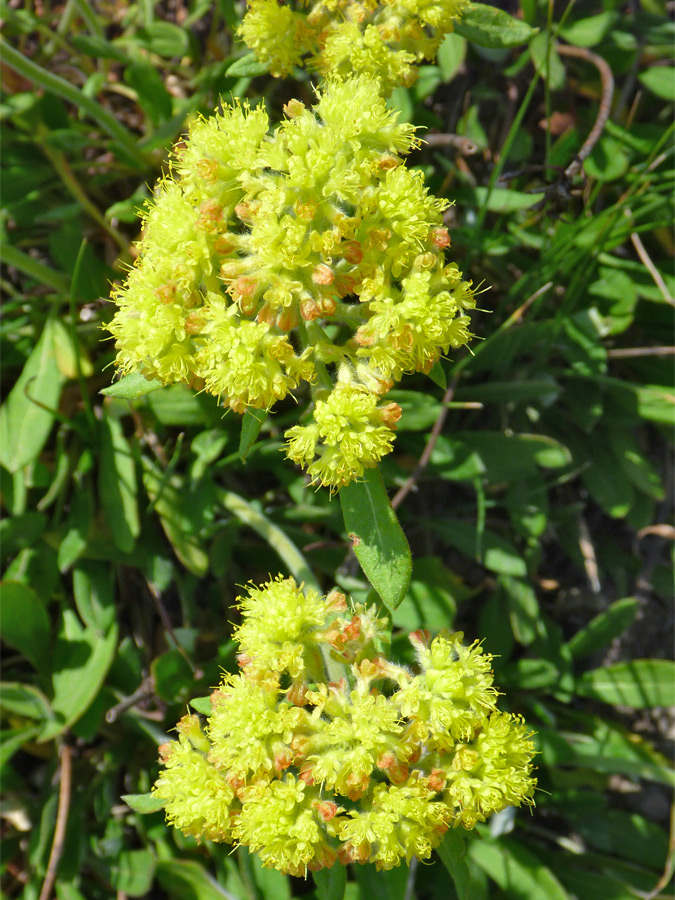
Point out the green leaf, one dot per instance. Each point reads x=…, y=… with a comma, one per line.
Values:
x=490, y=27
x=13, y=739
x=80, y=663
x=133, y=873
x=591, y=30
x=418, y=411
x=503, y=200
x=516, y=870
x=635, y=464
x=117, y=485
x=97, y=47
x=606, y=626
x=163, y=38
x=497, y=553
x=25, y=425
x=182, y=515
x=24, y=624
x=605, y=481
x=143, y=803
x=640, y=684
x=246, y=67
x=437, y=374
x=607, y=161
x=453, y=856
x=330, y=883
x=24, y=700
x=93, y=590
x=202, y=705
x=451, y=55
x=153, y=97
x=547, y=62
x=431, y=601
x=660, y=80
x=131, y=387
x=275, y=537
x=184, y=879
x=377, y=538
x=251, y=424
x=523, y=608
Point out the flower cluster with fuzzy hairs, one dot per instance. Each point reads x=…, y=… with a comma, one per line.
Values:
x=322, y=750
x=308, y=255
x=346, y=37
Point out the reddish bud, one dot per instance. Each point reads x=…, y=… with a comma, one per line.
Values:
x=440, y=238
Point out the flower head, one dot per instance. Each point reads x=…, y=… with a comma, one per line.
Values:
x=257, y=243
x=345, y=37
x=305, y=772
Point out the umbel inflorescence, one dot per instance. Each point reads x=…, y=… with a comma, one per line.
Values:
x=311, y=254
x=320, y=749
x=345, y=37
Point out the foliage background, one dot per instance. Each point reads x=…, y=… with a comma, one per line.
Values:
x=539, y=523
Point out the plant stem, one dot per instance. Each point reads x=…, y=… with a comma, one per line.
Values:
x=62, y=88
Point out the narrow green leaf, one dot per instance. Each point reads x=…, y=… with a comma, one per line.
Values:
x=452, y=853
x=516, y=870
x=143, y=803
x=275, y=537
x=13, y=739
x=606, y=626
x=131, y=387
x=24, y=700
x=498, y=554
x=641, y=684
x=184, y=879
x=330, y=883
x=24, y=624
x=490, y=27
x=25, y=425
x=547, y=62
x=437, y=372
x=246, y=67
x=251, y=424
x=81, y=662
x=182, y=515
x=117, y=485
x=377, y=538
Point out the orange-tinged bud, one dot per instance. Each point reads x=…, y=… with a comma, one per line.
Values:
x=288, y=318
x=328, y=306
x=223, y=244
x=420, y=639
x=388, y=161
x=305, y=210
x=352, y=252
x=336, y=601
x=305, y=774
x=326, y=809
x=208, y=169
x=309, y=309
x=391, y=413
x=436, y=780
x=440, y=238
x=323, y=274
x=194, y=324
x=245, y=286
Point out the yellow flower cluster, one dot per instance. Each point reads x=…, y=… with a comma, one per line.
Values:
x=308, y=255
x=344, y=37
x=321, y=750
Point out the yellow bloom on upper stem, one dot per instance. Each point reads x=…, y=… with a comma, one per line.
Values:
x=255, y=243
x=346, y=37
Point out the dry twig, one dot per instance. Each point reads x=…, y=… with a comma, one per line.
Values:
x=61, y=823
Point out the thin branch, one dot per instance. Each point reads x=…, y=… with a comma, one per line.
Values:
x=168, y=627
x=143, y=692
x=61, y=823
x=410, y=483
x=605, y=102
x=626, y=352
x=651, y=268
x=465, y=145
